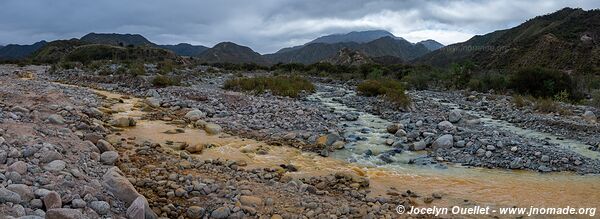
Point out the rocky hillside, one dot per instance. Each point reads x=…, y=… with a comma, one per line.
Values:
x=185, y=49
x=79, y=51
x=116, y=39
x=228, y=52
x=385, y=46
x=349, y=57
x=431, y=44
x=14, y=51
x=374, y=43
x=566, y=39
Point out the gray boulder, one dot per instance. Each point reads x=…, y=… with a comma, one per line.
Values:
x=454, y=116
x=444, y=141
x=195, y=115
x=109, y=157
x=589, y=116
x=63, y=213
x=9, y=196
x=56, y=119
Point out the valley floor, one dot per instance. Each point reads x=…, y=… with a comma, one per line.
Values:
x=76, y=145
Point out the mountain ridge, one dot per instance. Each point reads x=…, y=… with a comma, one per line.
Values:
x=567, y=39
x=229, y=52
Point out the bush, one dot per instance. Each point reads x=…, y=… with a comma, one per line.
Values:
x=392, y=90
x=544, y=83
x=519, y=101
x=420, y=79
x=290, y=86
x=137, y=68
x=547, y=105
x=166, y=67
x=165, y=81
x=595, y=102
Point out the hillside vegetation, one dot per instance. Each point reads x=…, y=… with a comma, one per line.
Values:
x=564, y=40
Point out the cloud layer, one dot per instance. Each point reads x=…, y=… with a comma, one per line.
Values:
x=265, y=25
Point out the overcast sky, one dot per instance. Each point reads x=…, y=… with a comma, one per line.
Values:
x=265, y=25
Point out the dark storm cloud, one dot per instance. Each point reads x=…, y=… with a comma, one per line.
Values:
x=264, y=25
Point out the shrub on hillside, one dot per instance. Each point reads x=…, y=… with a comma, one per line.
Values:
x=546, y=105
x=595, y=102
x=519, y=101
x=137, y=68
x=290, y=86
x=545, y=83
x=164, y=81
x=392, y=90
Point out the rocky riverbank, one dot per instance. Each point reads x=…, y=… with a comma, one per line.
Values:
x=454, y=128
x=70, y=152
x=57, y=161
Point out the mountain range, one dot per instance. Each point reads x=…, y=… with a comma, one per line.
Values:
x=373, y=43
x=565, y=40
x=14, y=51
x=228, y=52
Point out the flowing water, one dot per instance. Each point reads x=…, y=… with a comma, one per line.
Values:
x=455, y=183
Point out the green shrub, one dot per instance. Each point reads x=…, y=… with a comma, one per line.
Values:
x=392, y=90
x=595, y=102
x=519, y=101
x=544, y=83
x=546, y=105
x=290, y=86
x=165, y=81
x=562, y=96
x=166, y=66
x=475, y=84
x=419, y=80
x=137, y=68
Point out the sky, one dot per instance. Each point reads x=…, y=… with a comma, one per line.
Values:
x=266, y=25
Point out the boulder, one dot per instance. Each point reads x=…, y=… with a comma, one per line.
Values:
x=104, y=146
x=9, y=196
x=123, y=122
x=444, y=141
x=140, y=209
x=445, y=126
x=418, y=146
x=153, y=102
x=109, y=157
x=52, y=200
x=195, y=115
x=454, y=116
x=589, y=116
x=49, y=156
x=23, y=190
x=56, y=119
x=393, y=128
x=195, y=212
x=220, y=213
x=329, y=139
x=212, y=128
x=19, y=167
x=63, y=213
x=251, y=201
x=197, y=148
x=56, y=165
x=100, y=207
x=114, y=182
